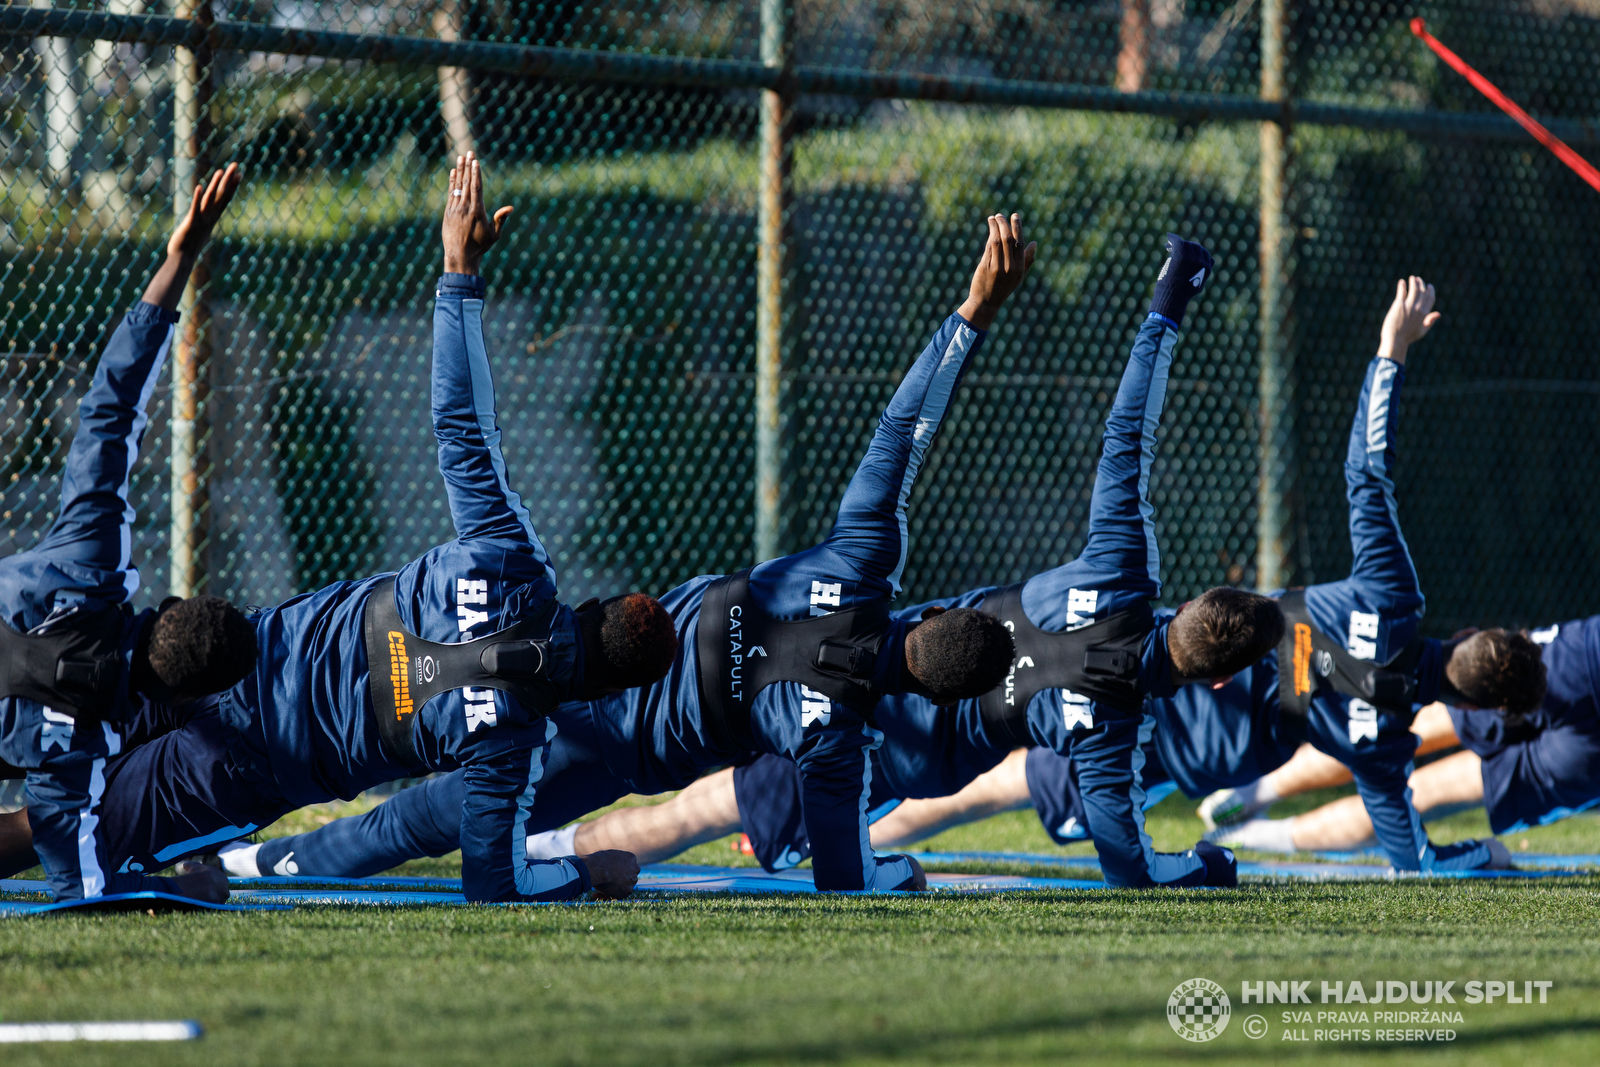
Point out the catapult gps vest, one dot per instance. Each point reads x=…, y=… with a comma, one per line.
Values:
x=404, y=671
x=1099, y=661
x=1308, y=659
x=742, y=650
x=73, y=666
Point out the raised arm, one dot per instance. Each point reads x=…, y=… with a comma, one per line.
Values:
x=1382, y=561
x=465, y=423
x=94, y=528
x=90, y=548
x=869, y=534
x=1120, y=555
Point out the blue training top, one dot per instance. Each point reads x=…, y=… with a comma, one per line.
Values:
x=306, y=712
x=1546, y=765
x=85, y=559
x=931, y=751
x=655, y=737
x=1210, y=739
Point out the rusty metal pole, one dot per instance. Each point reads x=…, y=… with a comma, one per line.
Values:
x=453, y=85
x=192, y=353
x=774, y=266
x=1276, y=521
x=1133, y=58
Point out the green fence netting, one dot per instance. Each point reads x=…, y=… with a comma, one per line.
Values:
x=623, y=306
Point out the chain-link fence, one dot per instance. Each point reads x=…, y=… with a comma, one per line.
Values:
x=737, y=221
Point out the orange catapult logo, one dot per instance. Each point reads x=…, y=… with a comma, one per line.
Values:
x=1302, y=658
x=399, y=674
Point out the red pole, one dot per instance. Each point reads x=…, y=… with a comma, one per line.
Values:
x=1504, y=103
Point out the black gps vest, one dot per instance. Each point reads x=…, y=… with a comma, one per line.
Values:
x=741, y=650
x=73, y=667
x=404, y=671
x=1308, y=659
x=1099, y=661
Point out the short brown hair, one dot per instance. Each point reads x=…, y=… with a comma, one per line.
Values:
x=1222, y=631
x=629, y=641
x=1498, y=669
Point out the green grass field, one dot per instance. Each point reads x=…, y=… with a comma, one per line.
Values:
x=1010, y=979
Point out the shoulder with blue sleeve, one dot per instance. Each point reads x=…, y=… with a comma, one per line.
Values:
x=1089, y=647
x=76, y=660
x=795, y=654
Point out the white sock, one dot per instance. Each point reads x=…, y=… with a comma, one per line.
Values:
x=1262, y=835
x=553, y=844
x=239, y=859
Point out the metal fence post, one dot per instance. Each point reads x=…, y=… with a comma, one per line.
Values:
x=1133, y=57
x=774, y=258
x=1276, y=522
x=453, y=84
x=191, y=135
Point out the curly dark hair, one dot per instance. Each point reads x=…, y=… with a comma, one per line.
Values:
x=1499, y=669
x=201, y=645
x=960, y=654
x=1222, y=631
x=629, y=641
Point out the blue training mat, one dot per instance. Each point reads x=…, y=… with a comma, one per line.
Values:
x=1545, y=865
x=114, y=902
x=282, y=893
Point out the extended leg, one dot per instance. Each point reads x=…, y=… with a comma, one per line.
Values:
x=422, y=821
x=1003, y=788
x=705, y=811
x=1442, y=788
x=1309, y=769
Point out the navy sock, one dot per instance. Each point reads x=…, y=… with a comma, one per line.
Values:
x=1186, y=271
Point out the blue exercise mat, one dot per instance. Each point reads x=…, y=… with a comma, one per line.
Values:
x=114, y=902
x=1548, y=866
x=1528, y=860
x=690, y=878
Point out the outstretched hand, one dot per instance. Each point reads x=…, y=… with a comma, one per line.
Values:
x=205, y=209
x=468, y=230
x=1004, y=264
x=1410, y=318
x=193, y=231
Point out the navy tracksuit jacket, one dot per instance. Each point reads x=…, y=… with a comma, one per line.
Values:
x=1544, y=766
x=300, y=729
x=1209, y=740
x=930, y=751
x=653, y=739
x=85, y=561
